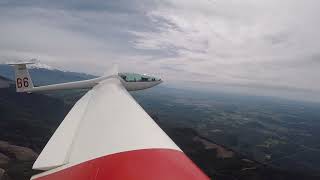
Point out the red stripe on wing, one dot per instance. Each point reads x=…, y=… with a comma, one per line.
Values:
x=146, y=164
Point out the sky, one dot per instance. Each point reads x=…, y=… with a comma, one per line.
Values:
x=263, y=47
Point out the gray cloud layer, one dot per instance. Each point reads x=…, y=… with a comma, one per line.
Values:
x=253, y=43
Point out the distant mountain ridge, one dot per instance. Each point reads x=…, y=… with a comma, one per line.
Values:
x=4, y=82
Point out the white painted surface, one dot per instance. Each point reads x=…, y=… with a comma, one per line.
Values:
x=86, y=84
x=56, y=151
x=22, y=73
x=111, y=122
x=23, y=78
x=114, y=122
x=135, y=86
x=70, y=85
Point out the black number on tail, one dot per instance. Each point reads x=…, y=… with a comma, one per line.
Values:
x=19, y=83
x=24, y=82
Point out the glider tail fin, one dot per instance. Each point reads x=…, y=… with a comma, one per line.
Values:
x=22, y=77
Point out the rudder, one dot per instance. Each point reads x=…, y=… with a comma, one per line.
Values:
x=22, y=77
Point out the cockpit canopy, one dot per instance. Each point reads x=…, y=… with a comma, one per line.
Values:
x=134, y=77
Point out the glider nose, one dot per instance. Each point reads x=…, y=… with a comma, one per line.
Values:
x=159, y=81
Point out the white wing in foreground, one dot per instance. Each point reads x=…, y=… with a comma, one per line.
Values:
x=105, y=121
x=107, y=135
x=56, y=152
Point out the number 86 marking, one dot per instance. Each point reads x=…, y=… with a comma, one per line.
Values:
x=24, y=82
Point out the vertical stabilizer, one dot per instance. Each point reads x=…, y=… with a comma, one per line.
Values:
x=22, y=77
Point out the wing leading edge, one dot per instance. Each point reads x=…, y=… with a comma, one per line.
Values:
x=107, y=134
x=56, y=152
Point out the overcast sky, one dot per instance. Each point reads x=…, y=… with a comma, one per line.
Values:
x=256, y=44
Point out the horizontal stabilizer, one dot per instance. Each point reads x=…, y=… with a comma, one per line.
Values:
x=20, y=63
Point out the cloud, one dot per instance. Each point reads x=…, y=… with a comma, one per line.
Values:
x=252, y=43
x=78, y=38
x=260, y=43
